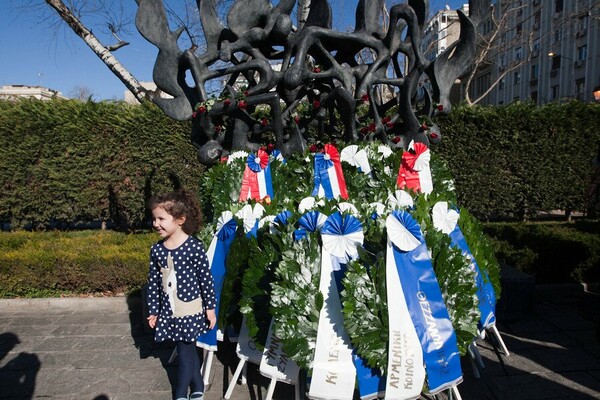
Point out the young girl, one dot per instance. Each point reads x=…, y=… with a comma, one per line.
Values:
x=181, y=298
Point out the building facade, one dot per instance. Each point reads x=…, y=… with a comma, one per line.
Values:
x=14, y=92
x=543, y=51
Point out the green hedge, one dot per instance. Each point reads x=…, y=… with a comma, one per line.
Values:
x=63, y=162
x=552, y=252
x=518, y=160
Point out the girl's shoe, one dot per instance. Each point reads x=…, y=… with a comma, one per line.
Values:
x=197, y=396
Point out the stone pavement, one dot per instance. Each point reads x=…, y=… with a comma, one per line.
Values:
x=98, y=349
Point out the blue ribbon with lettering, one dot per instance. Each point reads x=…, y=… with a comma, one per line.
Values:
x=485, y=290
x=427, y=310
x=224, y=237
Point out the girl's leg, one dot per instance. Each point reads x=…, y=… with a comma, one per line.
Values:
x=197, y=384
x=188, y=373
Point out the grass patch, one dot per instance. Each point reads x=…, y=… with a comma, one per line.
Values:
x=34, y=264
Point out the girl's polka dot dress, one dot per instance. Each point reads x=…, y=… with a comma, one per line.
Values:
x=194, y=279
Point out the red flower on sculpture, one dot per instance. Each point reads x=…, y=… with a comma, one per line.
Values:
x=365, y=98
x=313, y=148
x=242, y=105
x=316, y=104
x=396, y=139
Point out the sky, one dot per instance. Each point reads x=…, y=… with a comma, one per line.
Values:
x=34, y=51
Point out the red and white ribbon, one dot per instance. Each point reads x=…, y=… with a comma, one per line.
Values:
x=414, y=171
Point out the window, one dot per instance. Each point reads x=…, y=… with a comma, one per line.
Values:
x=517, y=78
x=555, y=62
x=558, y=5
x=555, y=92
x=534, y=71
x=519, y=8
x=583, y=22
x=502, y=61
x=582, y=53
x=501, y=84
x=537, y=18
x=536, y=45
x=580, y=88
x=519, y=28
x=518, y=53
x=534, y=96
x=557, y=35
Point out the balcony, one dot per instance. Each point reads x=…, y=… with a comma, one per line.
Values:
x=579, y=63
x=554, y=73
x=533, y=82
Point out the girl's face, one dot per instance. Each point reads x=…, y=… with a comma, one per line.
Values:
x=164, y=223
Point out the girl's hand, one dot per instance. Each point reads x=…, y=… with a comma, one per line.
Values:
x=212, y=318
x=152, y=321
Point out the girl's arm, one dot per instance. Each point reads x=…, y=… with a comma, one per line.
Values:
x=154, y=288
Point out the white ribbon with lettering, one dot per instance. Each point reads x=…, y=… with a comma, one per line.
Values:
x=406, y=373
x=275, y=364
x=334, y=374
x=246, y=348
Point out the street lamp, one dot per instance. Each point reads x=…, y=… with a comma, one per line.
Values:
x=597, y=93
x=552, y=54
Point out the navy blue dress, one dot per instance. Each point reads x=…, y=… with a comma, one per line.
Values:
x=189, y=279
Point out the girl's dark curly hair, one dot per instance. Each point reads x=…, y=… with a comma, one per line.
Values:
x=180, y=203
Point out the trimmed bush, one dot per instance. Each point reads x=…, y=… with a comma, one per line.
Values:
x=65, y=161
x=516, y=161
x=34, y=264
x=552, y=252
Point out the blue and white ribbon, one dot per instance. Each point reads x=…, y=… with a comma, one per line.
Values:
x=446, y=220
x=425, y=304
x=334, y=373
x=217, y=254
x=406, y=372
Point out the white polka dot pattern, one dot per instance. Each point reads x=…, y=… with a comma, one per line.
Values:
x=194, y=279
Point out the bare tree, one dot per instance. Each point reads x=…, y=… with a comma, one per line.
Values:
x=81, y=92
x=102, y=51
x=491, y=43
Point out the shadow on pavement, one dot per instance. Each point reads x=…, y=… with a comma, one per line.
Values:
x=18, y=375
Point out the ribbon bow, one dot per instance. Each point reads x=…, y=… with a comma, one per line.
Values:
x=250, y=217
x=328, y=176
x=309, y=222
x=226, y=226
x=400, y=199
x=357, y=158
x=443, y=219
x=414, y=170
x=256, y=181
x=403, y=231
x=341, y=235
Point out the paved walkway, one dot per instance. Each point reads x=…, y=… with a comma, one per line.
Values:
x=97, y=348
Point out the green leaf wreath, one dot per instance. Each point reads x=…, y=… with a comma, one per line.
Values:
x=276, y=269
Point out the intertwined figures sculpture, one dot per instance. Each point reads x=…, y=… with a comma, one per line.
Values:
x=288, y=68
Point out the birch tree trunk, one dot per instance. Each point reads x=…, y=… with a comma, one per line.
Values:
x=100, y=50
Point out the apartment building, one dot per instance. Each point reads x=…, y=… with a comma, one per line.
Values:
x=543, y=51
x=14, y=92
